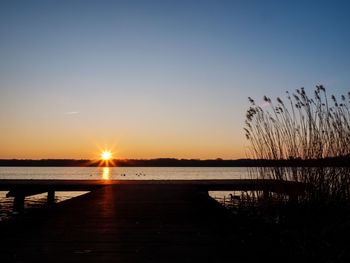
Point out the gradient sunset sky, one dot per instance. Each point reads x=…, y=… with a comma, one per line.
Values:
x=154, y=79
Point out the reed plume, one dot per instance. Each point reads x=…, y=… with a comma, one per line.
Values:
x=303, y=127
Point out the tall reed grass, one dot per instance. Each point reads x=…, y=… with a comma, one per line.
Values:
x=303, y=127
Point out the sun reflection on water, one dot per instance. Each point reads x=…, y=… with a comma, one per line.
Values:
x=106, y=173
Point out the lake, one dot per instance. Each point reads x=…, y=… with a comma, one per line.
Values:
x=120, y=173
x=108, y=173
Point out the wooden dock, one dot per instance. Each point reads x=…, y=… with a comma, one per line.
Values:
x=22, y=188
x=123, y=221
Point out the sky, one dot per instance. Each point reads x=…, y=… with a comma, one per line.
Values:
x=150, y=79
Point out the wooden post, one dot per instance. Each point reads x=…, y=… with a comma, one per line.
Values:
x=293, y=198
x=51, y=197
x=266, y=194
x=18, y=203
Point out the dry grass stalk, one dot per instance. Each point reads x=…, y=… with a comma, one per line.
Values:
x=303, y=128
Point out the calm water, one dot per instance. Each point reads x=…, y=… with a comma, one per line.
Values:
x=120, y=173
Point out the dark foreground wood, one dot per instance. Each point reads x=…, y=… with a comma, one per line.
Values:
x=125, y=221
x=22, y=188
x=279, y=186
x=121, y=223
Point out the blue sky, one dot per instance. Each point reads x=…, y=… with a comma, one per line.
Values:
x=157, y=78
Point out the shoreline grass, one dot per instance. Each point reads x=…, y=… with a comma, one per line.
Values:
x=303, y=128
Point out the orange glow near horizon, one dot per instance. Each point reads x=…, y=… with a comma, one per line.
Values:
x=106, y=158
x=123, y=148
x=106, y=155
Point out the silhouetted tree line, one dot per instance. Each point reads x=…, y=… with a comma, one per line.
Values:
x=172, y=162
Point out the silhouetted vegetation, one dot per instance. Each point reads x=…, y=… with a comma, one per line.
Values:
x=312, y=134
x=172, y=162
x=302, y=127
x=305, y=128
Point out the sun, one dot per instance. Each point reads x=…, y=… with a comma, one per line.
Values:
x=106, y=155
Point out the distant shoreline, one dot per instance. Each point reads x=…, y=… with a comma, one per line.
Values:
x=172, y=162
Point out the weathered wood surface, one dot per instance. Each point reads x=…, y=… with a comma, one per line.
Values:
x=121, y=223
